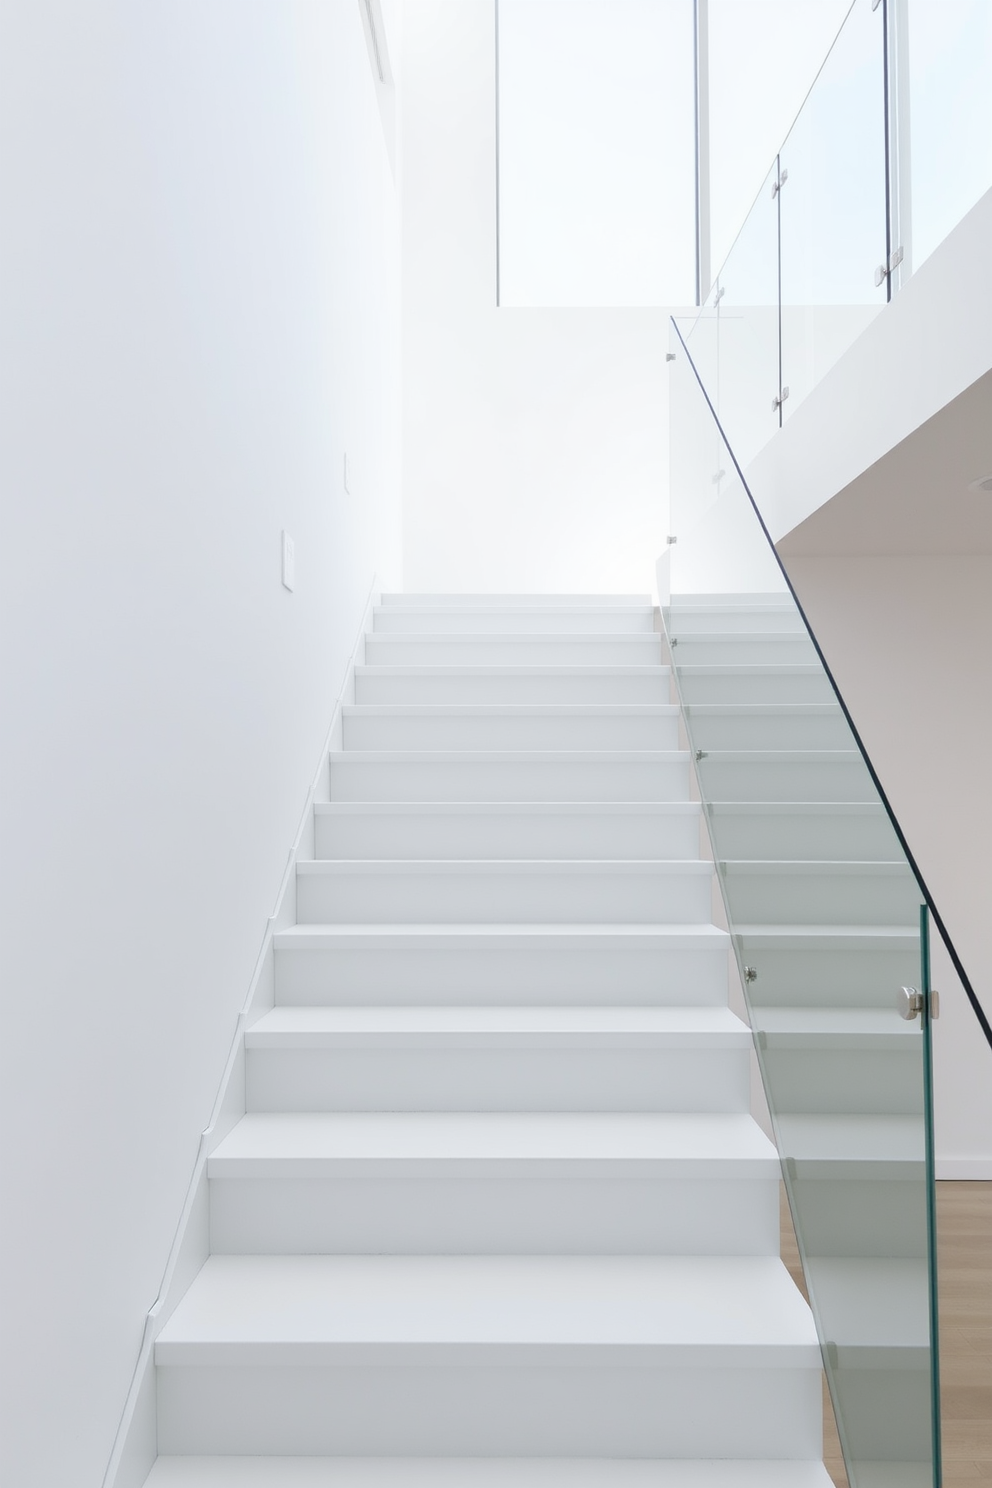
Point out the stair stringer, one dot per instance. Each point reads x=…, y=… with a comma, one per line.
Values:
x=136, y=1440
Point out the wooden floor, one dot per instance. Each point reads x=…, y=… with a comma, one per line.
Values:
x=964, y=1247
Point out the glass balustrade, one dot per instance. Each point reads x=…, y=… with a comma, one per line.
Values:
x=890, y=150
x=832, y=205
x=824, y=912
x=735, y=338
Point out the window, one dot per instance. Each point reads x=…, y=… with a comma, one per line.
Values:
x=596, y=175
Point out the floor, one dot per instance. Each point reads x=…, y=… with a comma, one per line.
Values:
x=964, y=1218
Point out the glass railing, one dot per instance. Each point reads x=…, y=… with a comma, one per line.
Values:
x=890, y=150
x=831, y=929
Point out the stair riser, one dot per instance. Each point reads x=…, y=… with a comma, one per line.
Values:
x=468, y=780
x=770, y=733
x=799, y=781
x=785, y=620
x=568, y=732
x=519, y=835
x=475, y=1411
x=849, y=1217
x=727, y=688
x=779, y=650
x=476, y=1212
x=860, y=1082
x=408, y=601
x=851, y=978
x=555, y=620
x=513, y=1079
x=400, y=976
x=808, y=899
x=449, y=685
x=385, y=650
x=541, y=897
x=819, y=838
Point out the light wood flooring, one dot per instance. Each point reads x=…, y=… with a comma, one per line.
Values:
x=964, y=1246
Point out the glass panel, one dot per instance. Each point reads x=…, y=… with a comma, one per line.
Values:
x=833, y=207
x=823, y=911
x=944, y=73
x=763, y=56
x=735, y=337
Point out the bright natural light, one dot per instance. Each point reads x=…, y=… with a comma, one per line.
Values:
x=597, y=168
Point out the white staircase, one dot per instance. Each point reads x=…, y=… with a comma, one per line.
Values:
x=497, y=1214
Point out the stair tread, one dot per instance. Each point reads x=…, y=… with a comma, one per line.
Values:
x=674, y=936
x=601, y=1027
x=508, y=808
x=796, y=808
x=851, y=1142
x=512, y=601
x=510, y=710
x=783, y=756
x=686, y=1309
x=480, y=1472
x=508, y=756
x=494, y=637
x=515, y=867
x=810, y=867
x=832, y=1027
x=685, y=1145
x=524, y=606
x=742, y=637
x=764, y=710
x=752, y=669
x=820, y=937
x=576, y=669
x=873, y=1302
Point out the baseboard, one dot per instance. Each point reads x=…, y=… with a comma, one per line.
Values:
x=964, y=1169
x=135, y=1444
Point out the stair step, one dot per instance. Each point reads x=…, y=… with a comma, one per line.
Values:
x=481, y=1472
x=546, y=775
x=768, y=726
x=840, y=1061
x=507, y=829
x=859, y=1180
x=494, y=1183
x=325, y=1355
x=513, y=684
x=515, y=601
x=841, y=1028
x=806, y=683
x=700, y=619
x=780, y=598
x=833, y=1147
x=503, y=891
x=750, y=647
x=845, y=965
x=534, y=619
x=786, y=775
x=829, y=831
x=480, y=649
x=508, y=964
x=498, y=726
x=828, y=893
x=498, y=1059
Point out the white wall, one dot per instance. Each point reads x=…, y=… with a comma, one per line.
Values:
x=908, y=638
x=198, y=301
x=534, y=441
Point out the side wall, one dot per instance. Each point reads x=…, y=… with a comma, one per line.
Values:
x=534, y=441
x=908, y=639
x=199, y=303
